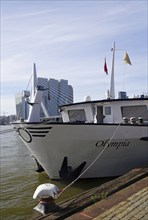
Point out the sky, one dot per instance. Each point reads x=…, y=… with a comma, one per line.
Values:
x=70, y=40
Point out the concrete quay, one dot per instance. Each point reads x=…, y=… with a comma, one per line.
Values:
x=125, y=197
x=130, y=203
x=135, y=207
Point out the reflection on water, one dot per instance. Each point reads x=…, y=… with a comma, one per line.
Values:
x=19, y=180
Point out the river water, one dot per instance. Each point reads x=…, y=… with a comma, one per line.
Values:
x=18, y=179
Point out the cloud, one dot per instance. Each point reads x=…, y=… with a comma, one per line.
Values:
x=58, y=27
x=13, y=69
x=29, y=14
x=69, y=40
x=7, y=104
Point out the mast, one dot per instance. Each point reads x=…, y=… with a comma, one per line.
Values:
x=112, y=86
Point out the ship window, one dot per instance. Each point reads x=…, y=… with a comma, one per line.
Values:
x=77, y=115
x=107, y=110
x=135, y=111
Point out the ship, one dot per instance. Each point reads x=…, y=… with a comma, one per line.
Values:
x=101, y=138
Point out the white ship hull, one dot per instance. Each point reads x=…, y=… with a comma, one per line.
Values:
x=104, y=137
x=82, y=143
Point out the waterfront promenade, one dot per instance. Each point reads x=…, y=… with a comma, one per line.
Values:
x=123, y=198
x=129, y=203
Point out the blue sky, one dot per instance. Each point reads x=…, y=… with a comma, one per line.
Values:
x=69, y=40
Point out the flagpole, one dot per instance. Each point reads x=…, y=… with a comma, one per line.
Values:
x=112, y=84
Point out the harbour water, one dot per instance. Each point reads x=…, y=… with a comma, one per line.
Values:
x=19, y=180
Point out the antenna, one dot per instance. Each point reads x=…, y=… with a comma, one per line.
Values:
x=112, y=84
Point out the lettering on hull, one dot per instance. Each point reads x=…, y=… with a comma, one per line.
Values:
x=115, y=144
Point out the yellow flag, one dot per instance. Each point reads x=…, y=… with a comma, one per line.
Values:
x=126, y=58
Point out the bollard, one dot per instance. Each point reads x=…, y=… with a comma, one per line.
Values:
x=46, y=205
x=125, y=120
x=133, y=120
x=46, y=194
x=140, y=120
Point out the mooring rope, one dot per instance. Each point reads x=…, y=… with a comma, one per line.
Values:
x=92, y=161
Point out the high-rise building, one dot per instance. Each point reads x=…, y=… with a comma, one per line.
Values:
x=53, y=97
x=58, y=93
x=55, y=93
x=44, y=82
x=22, y=107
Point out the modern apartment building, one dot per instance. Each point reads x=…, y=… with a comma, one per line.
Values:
x=56, y=93
x=22, y=107
x=60, y=93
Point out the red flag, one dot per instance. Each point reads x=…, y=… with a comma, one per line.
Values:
x=105, y=67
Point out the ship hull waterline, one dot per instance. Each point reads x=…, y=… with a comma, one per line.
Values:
x=126, y=147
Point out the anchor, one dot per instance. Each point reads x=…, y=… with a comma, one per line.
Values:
x=40, y=169
x=66, y=172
